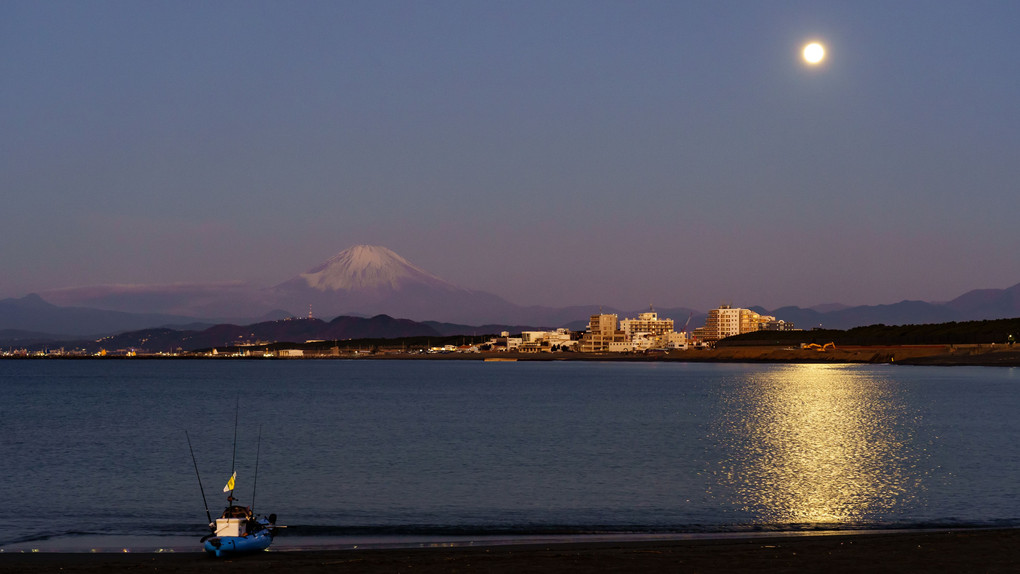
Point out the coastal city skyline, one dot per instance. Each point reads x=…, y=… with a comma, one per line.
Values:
x=551, y=154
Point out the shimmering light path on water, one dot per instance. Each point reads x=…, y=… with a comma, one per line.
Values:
x=434, y=449
x=820, y=444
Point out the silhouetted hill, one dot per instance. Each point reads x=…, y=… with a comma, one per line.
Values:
x=288, y=330
x=282, y=331
x=951, y=333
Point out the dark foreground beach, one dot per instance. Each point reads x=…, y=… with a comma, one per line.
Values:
x=928, y=551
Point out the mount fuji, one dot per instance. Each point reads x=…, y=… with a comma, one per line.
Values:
x=364, y=280
x=367, y=268
x=372, y=280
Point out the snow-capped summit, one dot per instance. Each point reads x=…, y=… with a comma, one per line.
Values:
x=369, y=280
x=369, y=267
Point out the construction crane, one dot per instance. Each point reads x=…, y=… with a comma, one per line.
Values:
x=684, y=328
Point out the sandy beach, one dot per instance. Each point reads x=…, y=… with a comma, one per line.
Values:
x=926, y=551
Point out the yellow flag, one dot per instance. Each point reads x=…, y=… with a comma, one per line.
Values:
x=230, y=483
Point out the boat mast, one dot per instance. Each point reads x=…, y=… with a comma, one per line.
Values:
x=255, y=483
x=233, y=458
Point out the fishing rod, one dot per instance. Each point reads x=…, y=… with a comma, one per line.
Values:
x=202, y=490
x=233, y=457
x=255, y=483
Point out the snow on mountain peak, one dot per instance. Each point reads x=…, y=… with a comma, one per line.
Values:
x=367, y=267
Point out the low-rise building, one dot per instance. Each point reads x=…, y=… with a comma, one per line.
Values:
x=674, y=340
x=546, y=341
x=505, y=342
x=779, y=325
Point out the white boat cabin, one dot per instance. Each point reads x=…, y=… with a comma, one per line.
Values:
x=235, y=521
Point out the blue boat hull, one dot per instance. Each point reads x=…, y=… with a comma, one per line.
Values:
x=221, y=546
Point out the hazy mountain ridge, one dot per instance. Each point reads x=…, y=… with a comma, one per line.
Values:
x=32, y=313
x=976, y=305
x=190, y=300
x=368, y=281
x=988, y=303
x=363, y=280
x=904, y=312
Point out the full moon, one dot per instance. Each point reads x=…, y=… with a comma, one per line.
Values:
x=814, y=53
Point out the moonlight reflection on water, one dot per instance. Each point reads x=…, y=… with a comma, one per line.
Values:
x=819, y=445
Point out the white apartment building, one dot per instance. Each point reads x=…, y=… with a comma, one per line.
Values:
x=727, y=322
x=647, y=322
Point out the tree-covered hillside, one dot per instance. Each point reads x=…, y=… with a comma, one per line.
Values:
x=963, y=333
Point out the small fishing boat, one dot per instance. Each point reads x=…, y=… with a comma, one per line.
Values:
x=238, y=530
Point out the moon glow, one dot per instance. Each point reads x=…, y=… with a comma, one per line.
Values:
x=814, y=53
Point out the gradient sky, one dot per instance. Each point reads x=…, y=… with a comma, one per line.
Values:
x=552, y=152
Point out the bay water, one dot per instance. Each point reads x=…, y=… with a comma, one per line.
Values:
x=94, y=454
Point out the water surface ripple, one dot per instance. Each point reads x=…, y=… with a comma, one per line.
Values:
x=434, y=449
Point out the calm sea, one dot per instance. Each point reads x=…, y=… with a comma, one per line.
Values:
x=93, y=454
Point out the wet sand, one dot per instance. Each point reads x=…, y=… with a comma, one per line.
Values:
x=928, y=551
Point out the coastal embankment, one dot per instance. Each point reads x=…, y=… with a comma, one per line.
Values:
x=947, y=355
x=973, y=355
x=990, y=355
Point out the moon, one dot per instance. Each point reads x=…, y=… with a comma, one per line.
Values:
x=814, y=53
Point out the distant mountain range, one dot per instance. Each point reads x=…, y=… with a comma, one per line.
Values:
x=977, y=305
x=365, y=280
x=368, y=281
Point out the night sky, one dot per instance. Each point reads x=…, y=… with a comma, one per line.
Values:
x=554, y=152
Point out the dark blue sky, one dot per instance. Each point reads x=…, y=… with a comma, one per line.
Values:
x=622, y=153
